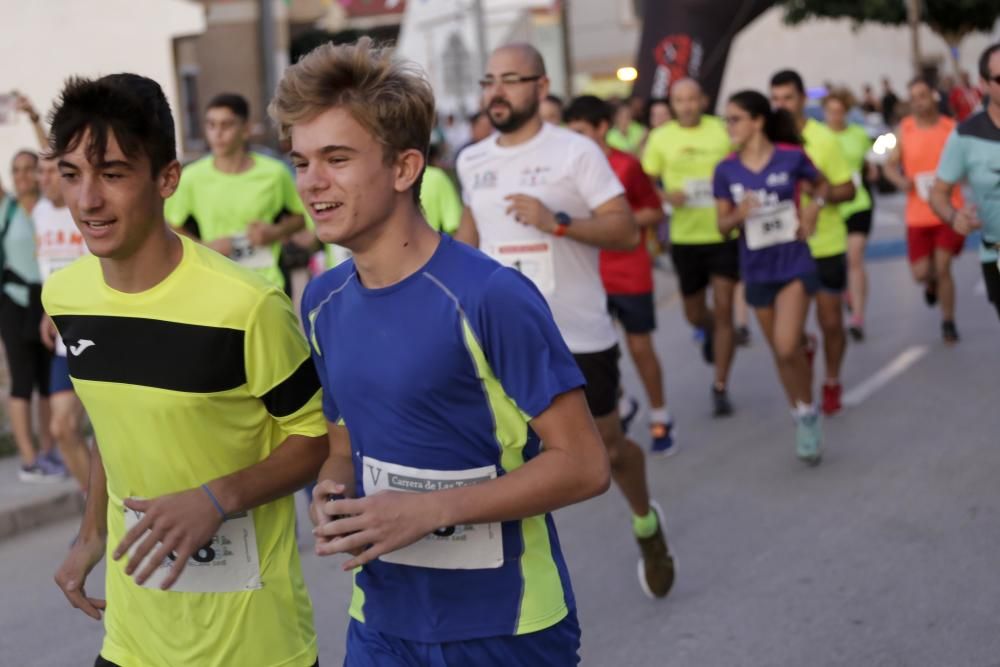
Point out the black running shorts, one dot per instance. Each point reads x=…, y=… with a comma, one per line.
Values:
x=696, y=264
x=991, y=276
x=636, y=312
x=860, y=223
x=600, y=370
x=832, y=273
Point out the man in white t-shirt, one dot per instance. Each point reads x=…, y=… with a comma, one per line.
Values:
x=544, y=200
x=58, y=243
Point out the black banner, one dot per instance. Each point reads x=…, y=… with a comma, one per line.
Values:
x=690, y=38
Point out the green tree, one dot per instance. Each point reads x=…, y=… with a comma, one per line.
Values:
x=951, y=19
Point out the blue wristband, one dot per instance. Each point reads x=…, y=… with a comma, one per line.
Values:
x=215, y=501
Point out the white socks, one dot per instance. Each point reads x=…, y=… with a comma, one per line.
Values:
x=659, y=416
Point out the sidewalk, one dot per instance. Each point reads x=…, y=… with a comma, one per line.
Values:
x=25, y=507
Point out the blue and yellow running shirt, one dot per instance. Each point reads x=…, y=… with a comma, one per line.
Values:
x=437, y=378
x=196, y=378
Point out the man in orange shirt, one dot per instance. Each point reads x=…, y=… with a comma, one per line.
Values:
x=931, y=243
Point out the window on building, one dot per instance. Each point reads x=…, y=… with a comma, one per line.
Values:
x=194, y=137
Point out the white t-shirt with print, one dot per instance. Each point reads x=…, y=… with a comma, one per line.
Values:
x=58, y=243
x=566, y=172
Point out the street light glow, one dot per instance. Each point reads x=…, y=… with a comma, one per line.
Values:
x=627, y=74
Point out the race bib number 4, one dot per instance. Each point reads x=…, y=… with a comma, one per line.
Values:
x=469, y=547
x=698, y=194
x=228, y=563
x=771, y=225
x=250, y=256
x=922, y=183
x=531, y=258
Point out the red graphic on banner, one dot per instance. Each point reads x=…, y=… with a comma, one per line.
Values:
x=677, y=56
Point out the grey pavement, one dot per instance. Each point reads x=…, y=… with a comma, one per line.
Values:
x=884, y=556
x=24, y=507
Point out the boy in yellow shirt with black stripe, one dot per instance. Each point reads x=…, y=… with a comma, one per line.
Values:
x=204, y=400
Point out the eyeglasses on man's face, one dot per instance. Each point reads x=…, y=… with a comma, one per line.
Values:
x=507, y=80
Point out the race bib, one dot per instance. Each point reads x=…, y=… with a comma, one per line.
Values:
x=698, y=194
x=250, y=256
x=228, y=563
x=468, y=547
x=922, y=184
x=771, y=225
x=531, y=258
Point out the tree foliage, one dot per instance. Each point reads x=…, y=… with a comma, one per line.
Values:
x=952, y=19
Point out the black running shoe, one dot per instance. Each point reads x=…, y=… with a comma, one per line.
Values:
x=708, y=348
x=857, y=333
x=721, y=407
x=949, y=333
x=930, y=293
x=743, y=336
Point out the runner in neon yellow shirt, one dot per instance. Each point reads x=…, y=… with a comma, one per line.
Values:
x=683, y=155
x=627, y=134
x=239, y=203
x=829, y=243
x=857, y=213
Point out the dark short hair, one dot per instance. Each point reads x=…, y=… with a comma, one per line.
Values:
x=25, y=151
x=789, y=77
x=984, y=60
x=917, y=80
x=590, y=109
x=555, y=99
x=131, y=107
x=232, y=101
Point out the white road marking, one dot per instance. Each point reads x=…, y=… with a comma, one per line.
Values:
x=885, y=375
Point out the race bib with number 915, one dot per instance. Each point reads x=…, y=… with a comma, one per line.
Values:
x=771, y=225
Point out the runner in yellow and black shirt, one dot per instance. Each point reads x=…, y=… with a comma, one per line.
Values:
x=205, y=404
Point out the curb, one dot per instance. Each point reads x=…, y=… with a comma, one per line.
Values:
x=39, y=512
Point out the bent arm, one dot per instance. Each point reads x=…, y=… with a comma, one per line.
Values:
x=572, y=467
x=292, y=465
x=611, y=226
x=729, y=216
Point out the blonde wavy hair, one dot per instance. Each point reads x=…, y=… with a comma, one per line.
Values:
x=390, y=98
